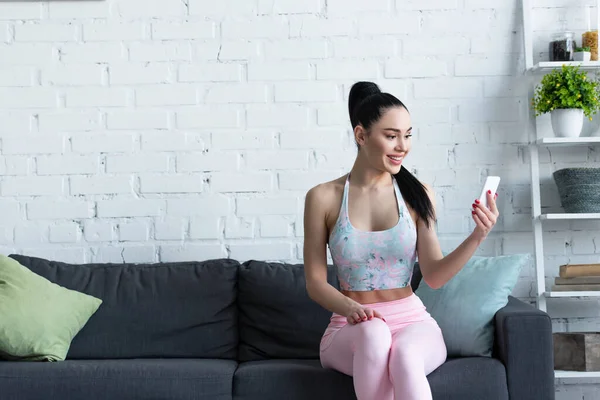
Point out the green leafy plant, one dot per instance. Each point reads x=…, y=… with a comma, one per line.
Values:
x=578, y=49
x=567, y=87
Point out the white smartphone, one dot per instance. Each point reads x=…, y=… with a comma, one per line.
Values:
x=491, y=183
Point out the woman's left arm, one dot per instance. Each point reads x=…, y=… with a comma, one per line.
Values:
x=437, y=269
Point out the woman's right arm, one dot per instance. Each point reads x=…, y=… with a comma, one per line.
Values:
x=315, y=261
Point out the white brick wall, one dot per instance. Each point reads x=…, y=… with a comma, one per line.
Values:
x=164, y=130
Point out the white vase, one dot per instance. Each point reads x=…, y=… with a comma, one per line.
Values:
x=567, y=122
x=582, y=56
x=591, y=128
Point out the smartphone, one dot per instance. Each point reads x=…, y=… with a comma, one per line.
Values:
x=491, y=183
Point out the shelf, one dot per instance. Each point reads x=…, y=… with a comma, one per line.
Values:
x=576, y=374
x=547, y=66
x=573, y=294
x=561, y=141
x=572, y=216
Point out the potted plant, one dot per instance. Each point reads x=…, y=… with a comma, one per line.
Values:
x=582, y=54
x=567, y=94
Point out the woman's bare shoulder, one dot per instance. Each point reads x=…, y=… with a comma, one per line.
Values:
x=327, y=192
x=323, y=202
x=326, y=197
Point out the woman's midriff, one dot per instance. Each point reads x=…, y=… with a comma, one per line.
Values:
x=379, y=296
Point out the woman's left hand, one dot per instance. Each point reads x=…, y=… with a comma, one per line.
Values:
x=485, y=217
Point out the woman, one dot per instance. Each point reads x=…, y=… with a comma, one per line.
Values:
x=375, y=221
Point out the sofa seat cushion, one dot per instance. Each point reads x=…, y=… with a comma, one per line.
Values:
x=290, y=380
x=176, y=379
x=457, y=379
x=469, y=378
x=160, y=310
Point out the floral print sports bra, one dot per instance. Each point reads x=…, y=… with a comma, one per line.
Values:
x=373, y=260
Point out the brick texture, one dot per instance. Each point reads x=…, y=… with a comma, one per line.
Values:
x=164, y=130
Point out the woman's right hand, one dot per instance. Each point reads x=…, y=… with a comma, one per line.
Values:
x=360, y=313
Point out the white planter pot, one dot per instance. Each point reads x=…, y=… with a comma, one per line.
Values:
x=582, y=56
x=591, y=128
x=567, y=122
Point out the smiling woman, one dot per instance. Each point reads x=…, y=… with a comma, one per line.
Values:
x=383, y=130
x=380, y=332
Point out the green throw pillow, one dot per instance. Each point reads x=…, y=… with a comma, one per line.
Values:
x=465, y=306
x=38, y=319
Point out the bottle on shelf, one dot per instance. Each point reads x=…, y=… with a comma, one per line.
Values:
x=590, y=39
x=562, y=46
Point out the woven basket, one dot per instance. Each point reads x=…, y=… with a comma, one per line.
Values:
x=579, y=189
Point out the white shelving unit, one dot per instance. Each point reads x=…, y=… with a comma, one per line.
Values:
x=547, y=66
x=570, y=216
x=558, y=141
x=535, y=143
x=574, y=374
x=572, y=294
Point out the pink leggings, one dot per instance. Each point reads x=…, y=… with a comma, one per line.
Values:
x=387, y=359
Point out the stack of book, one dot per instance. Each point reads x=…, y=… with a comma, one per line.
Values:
x=577, y=277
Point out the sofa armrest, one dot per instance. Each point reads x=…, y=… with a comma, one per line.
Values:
x=523, y=342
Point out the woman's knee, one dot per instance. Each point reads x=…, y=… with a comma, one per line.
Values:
x=373, y=335
x=413, y=353
x=404, y=355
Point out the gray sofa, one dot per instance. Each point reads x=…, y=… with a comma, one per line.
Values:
x=222, y=330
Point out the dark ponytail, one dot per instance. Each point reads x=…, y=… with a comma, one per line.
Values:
x=366, y=105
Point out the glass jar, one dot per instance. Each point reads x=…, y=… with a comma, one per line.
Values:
x=590, y=39
x=562, y=46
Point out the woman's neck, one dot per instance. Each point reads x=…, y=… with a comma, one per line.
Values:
x=365, y=176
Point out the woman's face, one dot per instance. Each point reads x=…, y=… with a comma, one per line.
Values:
x=388, y=140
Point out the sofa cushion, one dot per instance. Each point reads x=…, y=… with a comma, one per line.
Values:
x=469, y=378
x=465, y=306
x=277, y=318
x=38, y=318
x=118, y=379
x=183, y=309
x=457, y=379
x=290, y=380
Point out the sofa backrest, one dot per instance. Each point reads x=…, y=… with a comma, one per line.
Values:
x=210, y=309
x=416, y=277
x=277, y=318
x=180, y=309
